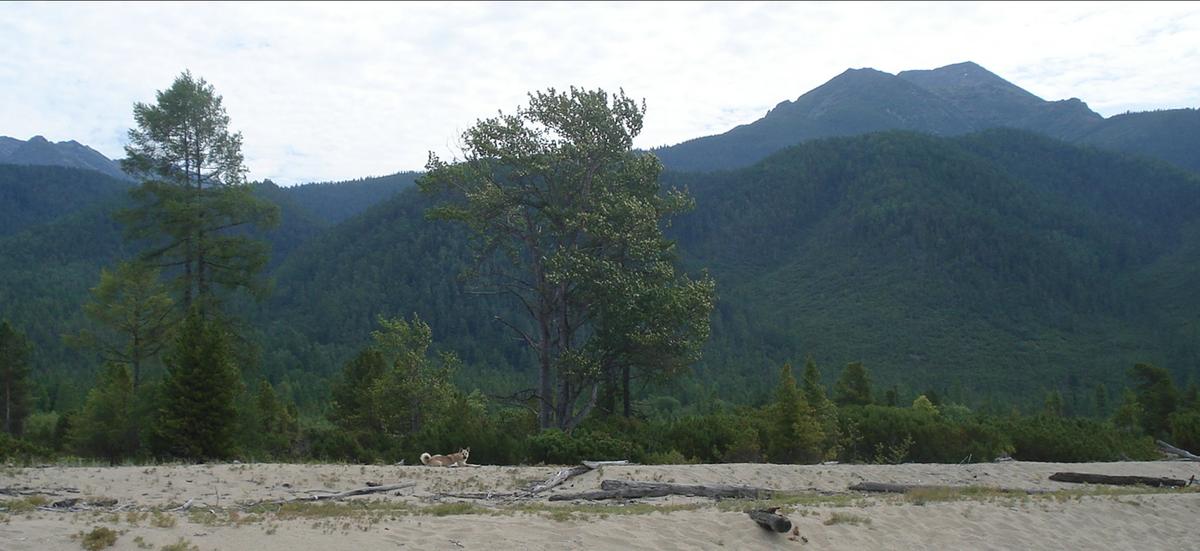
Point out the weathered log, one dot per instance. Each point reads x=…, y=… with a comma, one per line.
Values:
x=598, y=464
x=887, y=487
x=1086, y=478
x=350, y=493
x=1177, y=451
x=558, y=478
x=770, y=519
x=626, y=489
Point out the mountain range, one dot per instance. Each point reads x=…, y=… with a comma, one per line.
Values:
x=40, y=151
x=948, y=101
x=947, y=228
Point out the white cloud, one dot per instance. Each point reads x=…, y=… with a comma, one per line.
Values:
x=336, y=91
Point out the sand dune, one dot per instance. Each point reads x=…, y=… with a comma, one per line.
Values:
x=826, y=515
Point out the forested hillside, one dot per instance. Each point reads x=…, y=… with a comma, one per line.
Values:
x=992, y=266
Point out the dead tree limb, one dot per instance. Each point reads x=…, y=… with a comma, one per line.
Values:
x=1177, y=451
x=1086, y=478
x=770, y=519
x=626, y=489
x=558, y=478
x=350, y=493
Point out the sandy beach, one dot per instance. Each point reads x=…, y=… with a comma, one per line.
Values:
x=230, y=507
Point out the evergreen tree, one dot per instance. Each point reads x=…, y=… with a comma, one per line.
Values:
x=854, y=386
x=1129, y=413
x=795, y=435
x=14, y=377
x=814, y=391
x=133, y=311
x=106, y=427
x=822, y=406
x=269, y=426
x=1158, y=397
x=197, y=417
x=567, y=220
x=1054, y=404
x=194, y=197
x=388, y=393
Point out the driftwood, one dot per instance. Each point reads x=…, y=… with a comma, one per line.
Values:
x=1086, y=478
x=626, y=489
x=1177, y=451
x=770, y=519
x=887, y=487
x=558, y=478
x=350, y=493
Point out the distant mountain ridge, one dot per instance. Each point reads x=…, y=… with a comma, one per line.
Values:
x=948, y=101
x=72, y=154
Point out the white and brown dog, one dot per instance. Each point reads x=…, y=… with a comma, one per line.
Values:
x=452, y=460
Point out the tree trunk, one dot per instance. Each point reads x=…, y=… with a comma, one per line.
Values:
x=625, y=399
x=545, y=386
x=1087, y=478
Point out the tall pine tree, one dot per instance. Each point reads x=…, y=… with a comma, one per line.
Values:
x=194, y=198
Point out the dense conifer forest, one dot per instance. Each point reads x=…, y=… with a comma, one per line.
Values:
x=919, y=294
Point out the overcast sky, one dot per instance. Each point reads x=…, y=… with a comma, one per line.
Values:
x=339, y=91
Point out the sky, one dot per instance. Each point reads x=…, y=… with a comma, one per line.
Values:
x=336, y=91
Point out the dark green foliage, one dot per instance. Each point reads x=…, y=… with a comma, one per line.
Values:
x=132, y=315
x=333, y=202
x=556, y=447
x=390, y=392
x=14, y=378
x=979, y=259
x=197, y=417
x=1054, y=404
x=269, y=427
x=1047, y=438
x=34, y=195
x=853, y=387
x=1157, y=396
x=566, y=220
x=1185, y=429
x=794, y=433
x=16, y=449
x=885, y=434
x=107, y=426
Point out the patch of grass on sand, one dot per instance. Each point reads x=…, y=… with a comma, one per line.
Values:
x=584, y=511
x=790, y=502
x=181, y=545
x=26, y=504
x=846, y=518
x=162, y=520
x=99, y=538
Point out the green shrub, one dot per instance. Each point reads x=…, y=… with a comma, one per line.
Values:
x=1047, y=438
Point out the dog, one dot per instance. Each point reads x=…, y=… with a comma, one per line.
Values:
x=453, y=460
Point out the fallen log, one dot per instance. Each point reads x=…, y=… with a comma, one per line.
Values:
x=627, y=489
x=770, y=519
x=350, y=493
x=890, y=488
x=1177, y=451
x=1086, y=478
